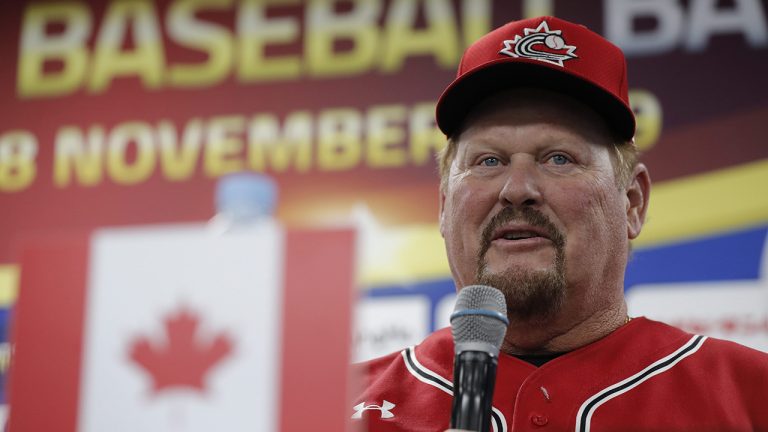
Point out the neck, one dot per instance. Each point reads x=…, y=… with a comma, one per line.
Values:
x=563, y=332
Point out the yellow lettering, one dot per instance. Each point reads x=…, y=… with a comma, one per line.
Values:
x=268, y=148
x=536, y=8
x=18, y=149
x=338, y=146
x=384, y=137
x=9, y=287
x=438, y=38
x=224, y=146
x=120, y=169
x=256, y=31
x=476, y=19
x=214, y=40
x=66, y=49
x=146, y=60
x=325, y=27
x=74, y=154
x=426, y=138
x=649, y=117
x=178, y=161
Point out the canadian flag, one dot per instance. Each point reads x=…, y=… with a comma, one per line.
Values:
x=183, y=329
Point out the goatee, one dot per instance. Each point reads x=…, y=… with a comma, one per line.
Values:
x=530, y=295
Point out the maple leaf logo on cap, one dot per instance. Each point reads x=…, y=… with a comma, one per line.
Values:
x=182, y=360
x=540, y=44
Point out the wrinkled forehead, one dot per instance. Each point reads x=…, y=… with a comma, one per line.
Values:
x=535, y=106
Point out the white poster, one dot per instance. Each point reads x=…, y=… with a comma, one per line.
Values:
x=182, y=330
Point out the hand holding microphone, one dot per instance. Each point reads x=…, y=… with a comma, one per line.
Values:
x=478, y=323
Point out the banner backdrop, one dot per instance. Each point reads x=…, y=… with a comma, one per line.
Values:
x=127, y=112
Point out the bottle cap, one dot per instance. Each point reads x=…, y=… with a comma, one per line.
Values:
x=246, y=195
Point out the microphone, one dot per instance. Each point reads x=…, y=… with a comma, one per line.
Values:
x=478, y=323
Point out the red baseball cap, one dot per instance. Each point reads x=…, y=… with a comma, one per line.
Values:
x=543, y=52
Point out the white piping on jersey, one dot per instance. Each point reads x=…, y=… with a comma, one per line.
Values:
x=447, y=386
x=498, y=423
x=588, y=408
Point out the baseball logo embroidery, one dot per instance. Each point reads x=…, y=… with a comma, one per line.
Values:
x=540, y=44
x=385, y=409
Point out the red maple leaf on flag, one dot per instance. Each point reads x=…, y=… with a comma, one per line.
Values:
x=182, y=360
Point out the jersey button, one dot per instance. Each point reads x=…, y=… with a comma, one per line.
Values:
x=539, y=419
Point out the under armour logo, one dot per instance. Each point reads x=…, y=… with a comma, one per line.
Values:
x=385, y=409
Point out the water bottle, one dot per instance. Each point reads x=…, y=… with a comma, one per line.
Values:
x=242, y=200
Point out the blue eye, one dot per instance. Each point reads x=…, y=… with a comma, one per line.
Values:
x=490, y=161
x=559, y=159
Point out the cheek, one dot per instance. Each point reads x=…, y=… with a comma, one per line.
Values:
x=596, y=216
x=465, y=213
x=469, y=205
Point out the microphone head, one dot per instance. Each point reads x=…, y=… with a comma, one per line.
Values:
x=479, y=320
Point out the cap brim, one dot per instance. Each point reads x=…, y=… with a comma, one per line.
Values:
x=473, y=87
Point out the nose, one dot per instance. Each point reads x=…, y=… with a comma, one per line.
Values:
x=521, y=184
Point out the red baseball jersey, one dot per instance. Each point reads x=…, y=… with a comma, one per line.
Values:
x=645, y=376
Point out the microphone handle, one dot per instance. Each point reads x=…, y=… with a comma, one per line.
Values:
x=474, y=375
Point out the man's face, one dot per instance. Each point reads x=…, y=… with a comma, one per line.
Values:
x=532, y=207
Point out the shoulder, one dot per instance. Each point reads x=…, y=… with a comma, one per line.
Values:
x=643, y=339
x=648, y=366
x=408, y=390
x=736, y=358
x=731, y=367
x=430, y=355
x=719, y=349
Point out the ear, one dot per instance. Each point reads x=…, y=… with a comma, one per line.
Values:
x=442, y=212
x=638, y=192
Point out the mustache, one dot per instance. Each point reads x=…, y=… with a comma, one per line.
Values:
x=528, y=215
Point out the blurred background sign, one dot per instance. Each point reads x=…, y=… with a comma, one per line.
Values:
x=128, y=112
x=183, y=328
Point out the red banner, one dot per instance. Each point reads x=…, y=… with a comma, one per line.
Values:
x=118, y=112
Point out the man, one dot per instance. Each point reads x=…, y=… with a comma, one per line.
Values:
x=541, y=193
